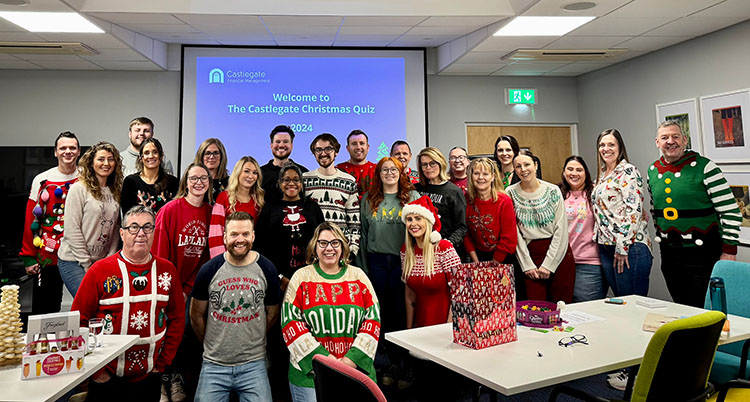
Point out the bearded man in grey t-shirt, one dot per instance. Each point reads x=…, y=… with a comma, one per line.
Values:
x=234, y=301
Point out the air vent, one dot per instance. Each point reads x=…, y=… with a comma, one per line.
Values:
x=563, y=54
x=77, y=48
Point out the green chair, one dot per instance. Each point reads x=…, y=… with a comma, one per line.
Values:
x=675, y=365
x=731, y=361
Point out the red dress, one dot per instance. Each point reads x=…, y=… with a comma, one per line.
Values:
x=433, y=297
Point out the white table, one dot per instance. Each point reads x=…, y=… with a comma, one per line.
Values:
x=512, y=368
x=12, y=388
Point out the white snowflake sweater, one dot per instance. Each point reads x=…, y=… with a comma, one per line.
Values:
x=144, y=300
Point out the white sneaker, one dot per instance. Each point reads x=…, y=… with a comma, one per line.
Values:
x=618, y=381
x=176, y=388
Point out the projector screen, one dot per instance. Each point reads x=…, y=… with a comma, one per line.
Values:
x=240, y=94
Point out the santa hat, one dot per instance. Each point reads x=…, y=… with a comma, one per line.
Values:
x=424, y=208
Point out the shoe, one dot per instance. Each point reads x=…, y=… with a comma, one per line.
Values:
x=79, y=397
x=618, y=381
x=406, y=381
x=389, y=378
x=165, y=380
x=616, y=373
x=176, y=388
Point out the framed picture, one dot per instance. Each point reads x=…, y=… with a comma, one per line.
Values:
x=739, y=183
x=724, y=131
x=685, y=113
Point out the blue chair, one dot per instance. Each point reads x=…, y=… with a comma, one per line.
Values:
x=729, y=363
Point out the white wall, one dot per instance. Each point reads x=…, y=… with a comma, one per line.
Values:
x=456, y=100
x=624, y=97
x=96, y=105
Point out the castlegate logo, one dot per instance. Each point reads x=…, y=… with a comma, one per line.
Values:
x=216, y=76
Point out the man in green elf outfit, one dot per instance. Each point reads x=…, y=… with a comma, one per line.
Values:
x=697, y=220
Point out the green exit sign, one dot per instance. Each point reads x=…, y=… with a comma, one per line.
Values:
x=521, y=96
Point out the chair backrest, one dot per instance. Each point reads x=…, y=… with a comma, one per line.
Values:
x=678, y=359
x=335, y=381
x=736, y=277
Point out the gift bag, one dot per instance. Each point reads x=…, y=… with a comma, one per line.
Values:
x=483, y=302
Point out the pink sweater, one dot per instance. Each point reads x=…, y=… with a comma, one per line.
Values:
x=581, y=229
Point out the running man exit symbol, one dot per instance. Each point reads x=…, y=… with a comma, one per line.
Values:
x=521, y=96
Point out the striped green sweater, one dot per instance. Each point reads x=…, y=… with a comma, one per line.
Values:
x=691, y=195
x=329, y=314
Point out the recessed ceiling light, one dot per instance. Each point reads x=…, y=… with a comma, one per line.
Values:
x=542, y=26
x=50, y=22
x=579, y=6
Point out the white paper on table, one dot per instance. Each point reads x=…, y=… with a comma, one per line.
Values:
x=574, y=317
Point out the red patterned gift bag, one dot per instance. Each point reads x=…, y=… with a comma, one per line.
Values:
x=483, y=301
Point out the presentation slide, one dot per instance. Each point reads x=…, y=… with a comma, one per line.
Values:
x=239, y=95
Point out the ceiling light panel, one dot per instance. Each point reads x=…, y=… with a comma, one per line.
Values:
x=542, y=26
x=51, y=22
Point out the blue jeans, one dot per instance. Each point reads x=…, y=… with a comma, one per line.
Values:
x=590, y=283
x=630, y=281
x=249, y=381
x=385, y=275
x=72, y=274
x=302, y=394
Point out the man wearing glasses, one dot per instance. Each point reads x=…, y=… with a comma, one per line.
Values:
x=136, y=293
x=334, y=190
x=458, y=161
x=141, y=129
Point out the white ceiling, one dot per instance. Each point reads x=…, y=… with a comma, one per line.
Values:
x=145, y=34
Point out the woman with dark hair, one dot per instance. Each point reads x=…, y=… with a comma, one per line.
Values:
x=576, y=187
x=621, y=219
x=506, y=148
x=285, y=227
x=212, y=155
x=151, y=186
x=543, y=250
x=92, y=214
x=381, y=238
x=244, y=194
x=356, y=310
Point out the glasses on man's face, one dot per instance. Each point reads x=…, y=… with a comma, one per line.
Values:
x=287, y=180
x=389, y=170
x=319, y=150
x=430, y=165
x=572, y=340
x=335, y=243
x=195, y=179
x=459, y=158
x=209, y=154
x=134, y=228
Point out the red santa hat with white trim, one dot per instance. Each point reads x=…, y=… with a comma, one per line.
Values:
x=424, y=208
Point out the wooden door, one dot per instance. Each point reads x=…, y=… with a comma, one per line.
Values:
x=550, y=143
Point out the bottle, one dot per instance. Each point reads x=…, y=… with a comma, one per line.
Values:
x=43, y=344
x=718, y=294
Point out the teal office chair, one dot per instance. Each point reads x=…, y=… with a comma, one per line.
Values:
x=731, y=361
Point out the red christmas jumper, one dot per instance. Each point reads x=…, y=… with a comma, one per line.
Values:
x=181, y=237
x=492, y=227
x=135, y=299
x=433, y=298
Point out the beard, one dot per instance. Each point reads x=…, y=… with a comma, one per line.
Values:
x=238, y=255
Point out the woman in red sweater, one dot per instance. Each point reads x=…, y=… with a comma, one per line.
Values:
x=244, y=194
x=492, y=234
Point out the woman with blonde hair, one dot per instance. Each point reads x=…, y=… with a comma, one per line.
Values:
x=445, y=196
x=212, y=154
x=492, y=233
x=244, y=193
x=92, y=214
x=328, y=273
